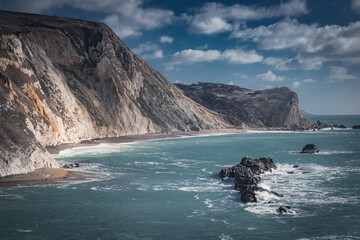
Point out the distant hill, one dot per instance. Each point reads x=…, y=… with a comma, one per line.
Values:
x=270, y=108
x=305, y=113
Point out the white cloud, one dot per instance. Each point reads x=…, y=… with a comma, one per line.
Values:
x=340, y=74
x=126, y=18
x=313, y=44
x=211, y=25
x=355, y=6
x=273, y=61
x=238, y=56
x=148, y=50
x=205, y=46
x=241, y=75
x=166, y=39
x=309, y=80
x=296, y=84
x=191, y=56
x=216, y=17
x=270, y=77
x=234, y=56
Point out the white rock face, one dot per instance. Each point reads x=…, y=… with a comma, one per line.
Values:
x=64, y=80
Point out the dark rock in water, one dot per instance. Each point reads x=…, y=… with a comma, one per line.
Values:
x=296, y=166
x=260, y=189
x=357, y=126
x=291, y=172
x=335, y=126
x=270, y=202
x=258, y=165
x=68, y=165
x=284, y=209
x=322, y=124
x=342, y=126
x=76, y=165
x=310, y=148
x=247, y=176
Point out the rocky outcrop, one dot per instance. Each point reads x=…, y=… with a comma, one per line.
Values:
x=246, y=176
x=65, y=80
x=284, y=210
x=357, y=126
x=271, y=108
x=310, y=148
x=321, y=124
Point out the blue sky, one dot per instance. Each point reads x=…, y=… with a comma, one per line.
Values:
x=310, y=46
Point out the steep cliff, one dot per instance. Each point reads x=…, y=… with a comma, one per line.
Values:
x=271, y=108
x=65, y=80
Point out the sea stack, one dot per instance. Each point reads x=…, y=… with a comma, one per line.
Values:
x=310, y=149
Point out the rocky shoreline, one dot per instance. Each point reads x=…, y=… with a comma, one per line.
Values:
x=246, y=176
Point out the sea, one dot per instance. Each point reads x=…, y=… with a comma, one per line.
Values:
x=169, y=188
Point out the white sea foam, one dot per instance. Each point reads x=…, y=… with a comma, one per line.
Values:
x=331, y=237
x=102, y=148
x=208, y=203
x=225, y=237
x=307, y=180
x=24, y=230
x=11, y=196
x=326, y=152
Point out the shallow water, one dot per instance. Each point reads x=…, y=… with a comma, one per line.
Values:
x=169, y=189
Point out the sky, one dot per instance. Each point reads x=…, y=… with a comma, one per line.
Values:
x=309, y=46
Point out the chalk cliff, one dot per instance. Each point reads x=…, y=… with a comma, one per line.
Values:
x=65, y=80
x=270, y=108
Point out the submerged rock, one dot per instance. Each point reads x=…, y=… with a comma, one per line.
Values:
x=310, y=148
x=246, y=176
x=296, y=166
x=284, y=209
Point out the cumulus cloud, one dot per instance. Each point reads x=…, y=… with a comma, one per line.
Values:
x=270, y=77
x=313, y=44
x=166, y=39
x=296, y=84
x=355, y=6
x=241, y=75
x=340, y=74
x=126, y=18
x=148, y=50
x=234, y=56
x=216, y=17
x=309, y=80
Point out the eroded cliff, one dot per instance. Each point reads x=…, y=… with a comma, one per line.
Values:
x=271, y=108
x=65, y=80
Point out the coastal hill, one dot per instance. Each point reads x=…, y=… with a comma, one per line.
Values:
x=270, y=108
x=64, y=80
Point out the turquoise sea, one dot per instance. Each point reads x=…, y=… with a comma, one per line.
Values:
x=170, y=189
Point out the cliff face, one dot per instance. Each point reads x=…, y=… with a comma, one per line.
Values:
x=271, y=108
x=65, y=80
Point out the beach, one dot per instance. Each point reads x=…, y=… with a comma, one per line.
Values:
x=45, y=176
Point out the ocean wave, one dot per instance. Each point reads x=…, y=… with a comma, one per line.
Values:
x=225, y=237
x=331, y=237
x=25, y=230
x=102, y=148
x=11, y=196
